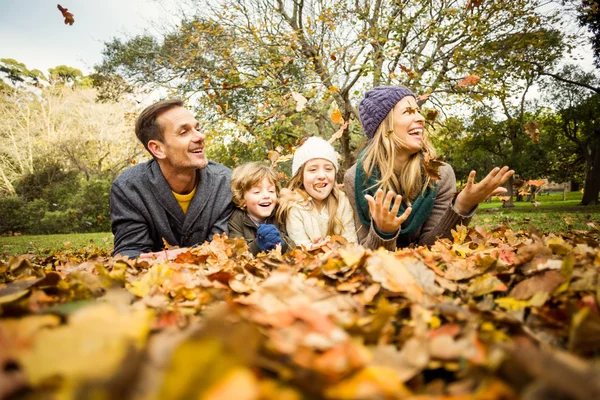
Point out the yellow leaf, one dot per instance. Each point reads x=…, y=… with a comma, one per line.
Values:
x=153, y=278
x=239, y=383
x=334, y=89
x=92, y=345
x=369, y=383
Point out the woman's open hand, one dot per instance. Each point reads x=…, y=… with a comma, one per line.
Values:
x=386, y=219
x=475, y=193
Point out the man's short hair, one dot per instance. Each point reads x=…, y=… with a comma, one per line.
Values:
x=246, y=176
x=147, y=127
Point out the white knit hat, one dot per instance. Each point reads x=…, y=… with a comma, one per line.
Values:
x=314, y=147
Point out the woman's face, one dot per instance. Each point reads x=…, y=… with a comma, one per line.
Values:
x=408, y=125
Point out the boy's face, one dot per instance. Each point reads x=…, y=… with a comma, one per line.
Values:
x=261, y=200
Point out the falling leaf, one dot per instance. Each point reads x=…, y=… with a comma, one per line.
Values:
x=469, y=80
x=300, y=101
x=336, y=117
x=412, y=74
x=69, y=20
x=431, y=115
x=473, y=4
x=339, y=133
x=273, y=156
x=423, y=97
x=431, y=168
x=533, y=131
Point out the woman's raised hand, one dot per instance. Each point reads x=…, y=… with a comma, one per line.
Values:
x=475, y=193
x=386, y=219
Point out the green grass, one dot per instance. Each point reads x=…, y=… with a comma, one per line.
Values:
x=45, y=244
x=551, y=215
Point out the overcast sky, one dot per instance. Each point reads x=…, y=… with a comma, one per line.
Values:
x=33, y=31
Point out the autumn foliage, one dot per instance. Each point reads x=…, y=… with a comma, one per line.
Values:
x=487, y=315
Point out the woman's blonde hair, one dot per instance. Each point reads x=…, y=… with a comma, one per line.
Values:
x=299, y=196
x=249, y=175
x=381, y=153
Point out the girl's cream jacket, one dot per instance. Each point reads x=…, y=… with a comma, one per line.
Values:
x=305, y=224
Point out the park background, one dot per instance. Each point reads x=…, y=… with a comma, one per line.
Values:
x=501, y=83
x=507, y=308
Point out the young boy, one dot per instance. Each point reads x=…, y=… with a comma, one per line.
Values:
x=255, y=188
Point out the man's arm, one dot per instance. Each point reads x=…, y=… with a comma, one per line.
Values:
x=130, y=228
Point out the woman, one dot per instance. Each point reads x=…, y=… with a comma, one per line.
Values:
x=395, y=203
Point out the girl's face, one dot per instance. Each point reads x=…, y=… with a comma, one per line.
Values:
x=261, y=200
x=318, y=179
x=408, y=125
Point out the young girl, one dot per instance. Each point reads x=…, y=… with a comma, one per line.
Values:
x=321, y=209
x=255, y=189
x=395, y=203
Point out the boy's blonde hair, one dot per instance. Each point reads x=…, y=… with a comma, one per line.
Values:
x=381, y=152
x=301, y=197
x=248, y=175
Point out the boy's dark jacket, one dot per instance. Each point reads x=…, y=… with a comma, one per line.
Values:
x=242, y=226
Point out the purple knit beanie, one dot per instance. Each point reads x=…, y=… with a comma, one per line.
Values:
x=377, y=104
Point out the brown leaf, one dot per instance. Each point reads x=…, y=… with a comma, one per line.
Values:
x=546, y=282
x=431, y=168
x=69, y=20
x=533, y=131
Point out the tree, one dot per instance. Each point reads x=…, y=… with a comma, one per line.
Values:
x=60, y=125
x=589, y=16
x=579, y=112
x=240, y=60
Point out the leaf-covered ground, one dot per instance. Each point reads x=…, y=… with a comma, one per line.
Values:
x=490, y=315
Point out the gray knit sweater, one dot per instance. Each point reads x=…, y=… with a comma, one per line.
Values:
x=441, y=221
x=144, y=211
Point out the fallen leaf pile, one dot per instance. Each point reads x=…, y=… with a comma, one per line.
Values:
x=488, y=315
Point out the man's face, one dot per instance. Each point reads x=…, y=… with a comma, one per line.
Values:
x=183, y=142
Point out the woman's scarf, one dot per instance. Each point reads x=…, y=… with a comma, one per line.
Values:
x=421, y=207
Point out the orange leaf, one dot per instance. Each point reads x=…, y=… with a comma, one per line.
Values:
x=68, y=16
x=469, y=80
x=334, y=89
x=424, y=96
x=339, y=133
x=408, y=71
x=273, y=156
x=336, y=116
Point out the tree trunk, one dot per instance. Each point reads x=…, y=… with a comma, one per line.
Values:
x=592, y=177
x=509, y=187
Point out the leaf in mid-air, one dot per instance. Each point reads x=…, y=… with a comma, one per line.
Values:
x=68, y=15
x=469, y=80
x=431, y=168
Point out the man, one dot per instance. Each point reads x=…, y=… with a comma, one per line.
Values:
x=178, y=198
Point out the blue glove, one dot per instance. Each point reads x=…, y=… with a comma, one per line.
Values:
x=268, y=237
